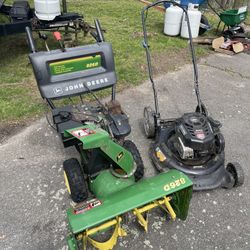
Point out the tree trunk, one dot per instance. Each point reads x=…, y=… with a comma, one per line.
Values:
x=234, y=3
x=238, y=4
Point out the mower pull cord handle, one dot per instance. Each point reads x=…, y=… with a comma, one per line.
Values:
x=30, y=39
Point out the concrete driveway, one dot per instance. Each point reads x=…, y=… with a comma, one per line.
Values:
x=34, y=199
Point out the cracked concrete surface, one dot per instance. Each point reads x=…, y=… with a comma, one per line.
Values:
x=34, y=198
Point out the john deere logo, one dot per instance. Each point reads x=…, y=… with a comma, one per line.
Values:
x=119, y=156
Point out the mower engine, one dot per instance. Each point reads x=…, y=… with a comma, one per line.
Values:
x=196, y=137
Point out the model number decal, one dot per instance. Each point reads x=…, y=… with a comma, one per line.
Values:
x=174, y=184
x=91, y=65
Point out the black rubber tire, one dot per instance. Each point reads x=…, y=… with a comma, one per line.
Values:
x=235, y=169
x=204, y=20
x=228, y=34
x=131, y=147
x=241, y=30
x=149, y=122
x=76, y=182
x=203, y=109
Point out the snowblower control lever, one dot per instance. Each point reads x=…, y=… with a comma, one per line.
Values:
x=58, y=37
x=30, y=40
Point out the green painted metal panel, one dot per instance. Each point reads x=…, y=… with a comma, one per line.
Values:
x=122, y=157
x=106, y=184
x=137, y=195
x=92, y=136
x=75, y=65
x=72, y=243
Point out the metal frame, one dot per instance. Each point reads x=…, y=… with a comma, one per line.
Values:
x=150, y=72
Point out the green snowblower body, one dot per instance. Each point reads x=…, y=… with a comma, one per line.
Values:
x=115, y=196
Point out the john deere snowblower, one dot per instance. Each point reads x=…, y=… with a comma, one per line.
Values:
x=107, y=185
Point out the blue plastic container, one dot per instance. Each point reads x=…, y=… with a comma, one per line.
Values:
x=186, y=3
x=167, y=5
x=197, y=1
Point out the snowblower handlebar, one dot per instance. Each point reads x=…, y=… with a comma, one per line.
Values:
x=30, y=39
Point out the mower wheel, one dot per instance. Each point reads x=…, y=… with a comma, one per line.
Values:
x=203, y=109
x=204, y=22
x=149, y=122
x=131, y=147
x=74, y=180
x=237, y=172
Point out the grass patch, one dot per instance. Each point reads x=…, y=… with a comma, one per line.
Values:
x=19, y=96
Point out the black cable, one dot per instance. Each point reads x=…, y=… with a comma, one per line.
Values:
x=96, y=98
x=46, y=115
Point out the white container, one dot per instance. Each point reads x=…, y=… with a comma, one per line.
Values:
x=194, y=18
x=173, y=18
x=47, y=9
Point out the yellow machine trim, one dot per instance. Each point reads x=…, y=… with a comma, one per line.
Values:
x=107, y=245
x=140, y=213
x=160, y=155
x=66, y=182
x=74, y=60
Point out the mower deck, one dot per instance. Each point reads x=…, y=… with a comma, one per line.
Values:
x=203, y=177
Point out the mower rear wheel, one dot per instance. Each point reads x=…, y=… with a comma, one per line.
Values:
x=74, y=180
x=131, y=147
x=235, y=169
x=149, y=122
x=204, y=21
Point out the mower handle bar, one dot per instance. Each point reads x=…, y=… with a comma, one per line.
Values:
x=31, y=42
x=146, y=46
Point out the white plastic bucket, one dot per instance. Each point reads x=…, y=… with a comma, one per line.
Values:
x=47, y=9
x=173, y=18
x=195, y=19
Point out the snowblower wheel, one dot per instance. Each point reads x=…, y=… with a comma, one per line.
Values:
x=237, y=172
x=203, y=110
x=131, y=147
x=74, y=180
x=149, y=122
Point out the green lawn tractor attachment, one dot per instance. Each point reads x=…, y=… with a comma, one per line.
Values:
x=106, y=185
x=116, y=193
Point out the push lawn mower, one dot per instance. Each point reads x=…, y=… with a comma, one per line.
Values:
x=106, y=185
x=192, y=143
